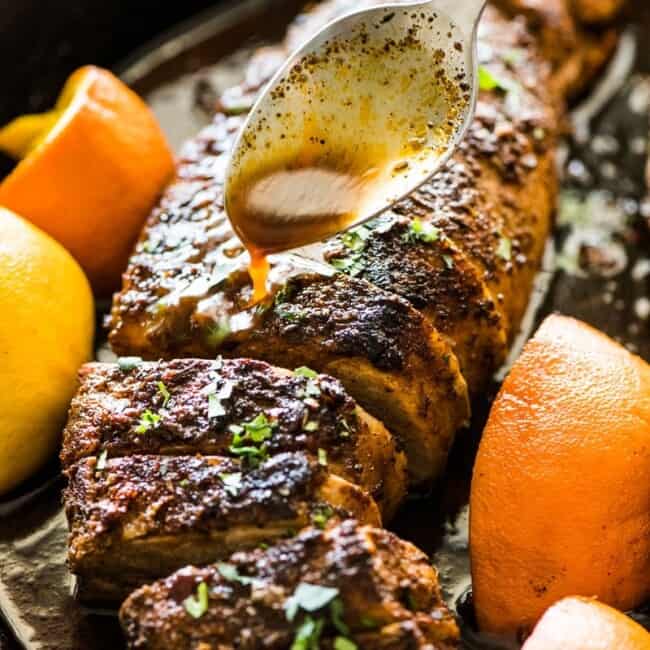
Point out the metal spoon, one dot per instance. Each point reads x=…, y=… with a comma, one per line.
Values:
x=359, y=117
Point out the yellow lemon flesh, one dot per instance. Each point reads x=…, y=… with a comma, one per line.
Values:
x=46, y=333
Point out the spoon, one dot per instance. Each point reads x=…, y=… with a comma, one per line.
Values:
x=359, y=116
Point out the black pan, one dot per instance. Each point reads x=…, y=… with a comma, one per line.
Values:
x=597, y=268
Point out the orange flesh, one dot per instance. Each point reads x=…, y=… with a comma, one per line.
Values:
x=89, y=171
x=586, y=624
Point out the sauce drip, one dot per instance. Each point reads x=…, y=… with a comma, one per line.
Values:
x=283, y=208
x=344, y=133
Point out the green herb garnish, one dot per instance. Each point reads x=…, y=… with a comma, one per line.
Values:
x=231, y=482
x=162, y=389
x=309, y=598
x=322, y=457
x=218, y=333
x=292, y=313
x=504, y=249
x=304, y=371
x=336, y=612
x=355, y=239
x=488, y=81
x=215, y=406
x=101, y=461
x=368, y=622
x=249, y=439
x=128, y=363
x=230, y=573
x=310, y=426
x=321, y=515
x=344, y=430
x=449, y=261
x=308, y=634
x=197, y=605
x=342, y=643
x=422, y=231
x=148, y=420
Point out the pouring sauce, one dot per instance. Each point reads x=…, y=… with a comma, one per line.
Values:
x=347, y=131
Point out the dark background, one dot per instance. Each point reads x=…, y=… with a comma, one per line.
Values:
x=41, y=41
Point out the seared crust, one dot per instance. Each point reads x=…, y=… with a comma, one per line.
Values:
x=387, y=589
x=307, y=414
x=493, y=206
x=147, y=515
x=384, y=352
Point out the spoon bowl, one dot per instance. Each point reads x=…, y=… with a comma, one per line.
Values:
x=358, y=117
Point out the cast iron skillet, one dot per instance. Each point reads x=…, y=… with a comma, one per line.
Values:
x=597, y=268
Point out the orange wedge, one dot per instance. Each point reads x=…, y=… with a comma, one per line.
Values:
x=560, y=498
x=90, y=171
x=586, y=624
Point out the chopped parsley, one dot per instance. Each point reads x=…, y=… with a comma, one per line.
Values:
x=322, y=457
x=218, y=333
x=148, y=420
x=321, y=515
x=504, y=249
x=197, y=605
x=310, y=425
x=336, y=612
x=355, y=239
x=312, y=389
x=309, y=598
x=351, y=264
x=231, y=482
x=291, y=313
x=101, y=461
x=368, y=622
x=249, y=439
x=304, y=371
x=422, y=231
x=184, y=483
x=128, y=363
x=344, y=429
x=308, y=634
x=488, y=81
x=215, y=406
x=166, y=395
x=230, y=573
x=449, y=261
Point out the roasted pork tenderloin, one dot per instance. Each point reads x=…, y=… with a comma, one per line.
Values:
x=411, y=309
x=138, y=518
x=187, y=461
x=349, y=583
x=197, y=406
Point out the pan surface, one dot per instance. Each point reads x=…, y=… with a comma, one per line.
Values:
x=597, y=268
